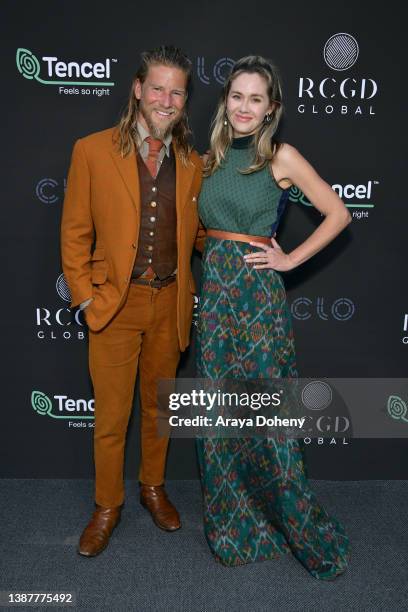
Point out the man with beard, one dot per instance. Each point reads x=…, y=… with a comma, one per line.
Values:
x=129, y=226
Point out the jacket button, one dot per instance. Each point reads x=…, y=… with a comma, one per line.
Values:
x=152, y=219
x=153, y=204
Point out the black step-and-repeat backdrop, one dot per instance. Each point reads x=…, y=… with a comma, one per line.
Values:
x=66, y=71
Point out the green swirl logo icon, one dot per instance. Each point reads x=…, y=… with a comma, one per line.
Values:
x=41, y=403
x=297, y=196
x=397, y=408
x=27, y=64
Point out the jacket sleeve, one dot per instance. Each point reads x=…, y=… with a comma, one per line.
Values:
x=201, y=232
x=77, y=228
x=200, y=238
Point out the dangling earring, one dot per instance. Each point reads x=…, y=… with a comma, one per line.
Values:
x=225, y=120
x=268, y=117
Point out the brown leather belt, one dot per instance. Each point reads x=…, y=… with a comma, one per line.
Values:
x=155, y=283
x=213, y=233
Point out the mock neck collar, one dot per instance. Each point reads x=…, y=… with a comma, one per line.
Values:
x=244, y=142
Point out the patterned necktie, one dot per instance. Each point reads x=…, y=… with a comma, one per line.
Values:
x=153, y=155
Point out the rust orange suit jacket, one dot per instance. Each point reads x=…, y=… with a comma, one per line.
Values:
x=100, y=229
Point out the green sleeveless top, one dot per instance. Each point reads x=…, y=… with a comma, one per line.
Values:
x=241, y=203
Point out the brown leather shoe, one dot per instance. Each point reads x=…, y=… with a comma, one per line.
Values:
x=95, y=537
x=163, y=513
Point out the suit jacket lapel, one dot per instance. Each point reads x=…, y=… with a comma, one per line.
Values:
x=127, y=167
x=184, y=177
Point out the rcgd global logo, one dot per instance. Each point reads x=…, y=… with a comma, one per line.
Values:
x=60, y=322
x=338, y=94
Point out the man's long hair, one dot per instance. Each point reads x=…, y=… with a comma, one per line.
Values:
x=162, y=56
x=222, y=133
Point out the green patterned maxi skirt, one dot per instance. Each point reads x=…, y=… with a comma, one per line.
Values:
x=257, y=500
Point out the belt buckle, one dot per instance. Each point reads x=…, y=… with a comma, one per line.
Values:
x=153, y=280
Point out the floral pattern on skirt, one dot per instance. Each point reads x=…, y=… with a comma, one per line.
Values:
x=257, y=500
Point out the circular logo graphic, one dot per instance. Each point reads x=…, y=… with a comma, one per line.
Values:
x=222, y=68
x=41, y=403
x=341, y=51
x=63, y=289
x=317, y=395
x=397, y=408
x=44, y=192
x=27, y=64
x=343, y=309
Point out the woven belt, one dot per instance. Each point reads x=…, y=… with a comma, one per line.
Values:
x=155, y=283
x=213, y=233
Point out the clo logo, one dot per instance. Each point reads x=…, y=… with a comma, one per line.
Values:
x=220, y=70
x=46, y=190
x=63, y=407
x=58, y=71
x=340, y=53
x=341, y=309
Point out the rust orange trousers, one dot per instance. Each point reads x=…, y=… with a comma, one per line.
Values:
x=141, y=337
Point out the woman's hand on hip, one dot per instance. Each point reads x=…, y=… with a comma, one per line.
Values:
x=270, y=257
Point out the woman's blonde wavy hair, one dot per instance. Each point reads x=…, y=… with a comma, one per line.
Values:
x=126, y=129
x=221, y=135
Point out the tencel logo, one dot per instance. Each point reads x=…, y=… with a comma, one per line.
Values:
x=51, y=70
x=397, y=408
x=75, y=411
x=358, y=197
x=338, y=94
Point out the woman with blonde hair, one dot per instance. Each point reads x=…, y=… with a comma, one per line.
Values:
x=257, y=501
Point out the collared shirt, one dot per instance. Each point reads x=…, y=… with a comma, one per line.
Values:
x=143, y=146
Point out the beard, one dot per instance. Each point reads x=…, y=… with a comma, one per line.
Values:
x=157, y=131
